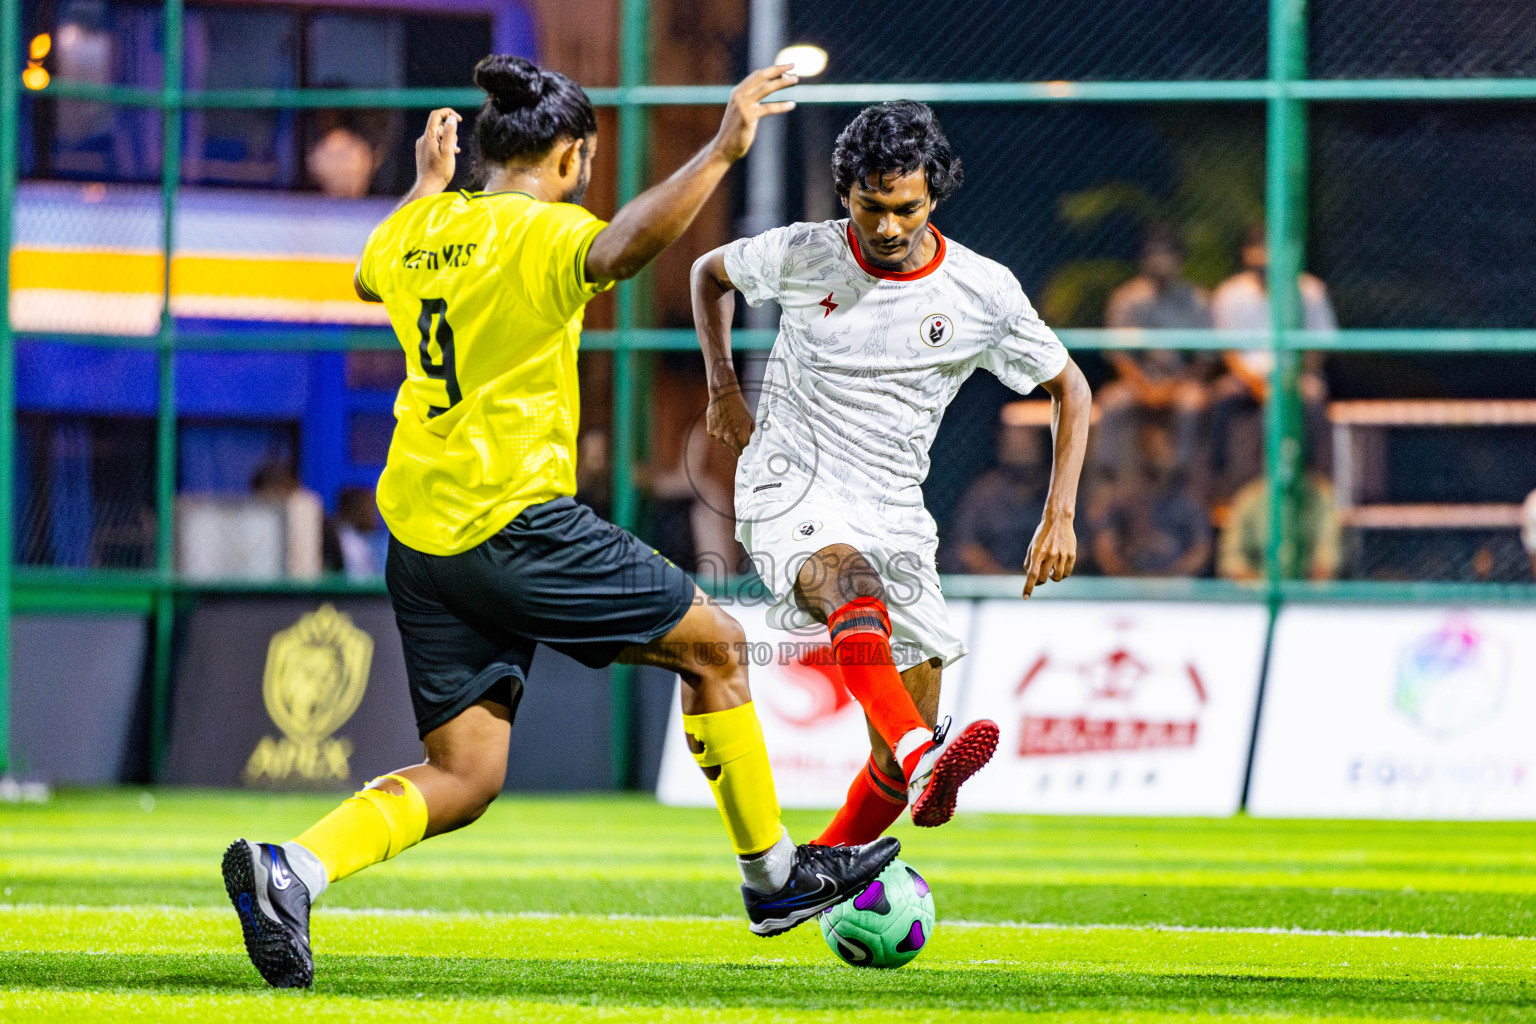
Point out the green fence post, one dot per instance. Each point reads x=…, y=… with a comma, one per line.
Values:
x=10, y=46
x=1285, y=188
x=634, y=49
x=165, y=412
x=633, y=53
x=1286, y=217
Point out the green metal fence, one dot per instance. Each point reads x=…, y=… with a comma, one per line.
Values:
x=1287, y=94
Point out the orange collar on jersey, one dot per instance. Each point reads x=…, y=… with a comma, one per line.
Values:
x=892, y=275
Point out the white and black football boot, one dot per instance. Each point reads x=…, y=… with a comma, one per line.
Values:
x=273, y=906
x=820, y=877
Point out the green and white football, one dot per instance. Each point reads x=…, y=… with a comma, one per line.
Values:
x=887, y=924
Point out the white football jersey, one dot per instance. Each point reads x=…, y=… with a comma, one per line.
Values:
x=867, y=360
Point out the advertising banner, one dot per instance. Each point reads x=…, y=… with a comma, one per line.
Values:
x=1399, y=713
x=814, y=729
x=291, y=693
x=1114, y=708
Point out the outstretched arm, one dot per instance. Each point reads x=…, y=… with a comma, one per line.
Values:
x=658, y=216
x=728, y=419
x=1053, y=551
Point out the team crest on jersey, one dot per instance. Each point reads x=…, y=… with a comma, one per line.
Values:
x=936, y=330
x=806, y=529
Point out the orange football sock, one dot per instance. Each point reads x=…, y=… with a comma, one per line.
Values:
x=875, y=801
x=861, y=642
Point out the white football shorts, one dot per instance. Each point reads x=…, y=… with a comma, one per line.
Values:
x=780, y=541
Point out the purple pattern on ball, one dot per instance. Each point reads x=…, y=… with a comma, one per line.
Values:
x=869, y=897
x=915, y=937
x=918, y=883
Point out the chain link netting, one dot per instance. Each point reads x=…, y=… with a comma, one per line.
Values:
x=1421, y=213
x=941, y=40
x=1433, y=462
x=1417, y=220
x=85, y=491
x=1441, y=556
x=1421, y=39
x=85, y=259
x=1070, y=213
x=1416, y=213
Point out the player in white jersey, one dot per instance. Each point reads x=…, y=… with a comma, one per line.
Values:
x=883, y=319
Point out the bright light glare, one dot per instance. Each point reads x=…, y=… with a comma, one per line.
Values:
x=809, y=61
x=41, y=44
x=35, y=77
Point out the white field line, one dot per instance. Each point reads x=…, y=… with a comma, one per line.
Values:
x=543, y=915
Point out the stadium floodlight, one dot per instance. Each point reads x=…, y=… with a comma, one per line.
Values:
x=809, y=60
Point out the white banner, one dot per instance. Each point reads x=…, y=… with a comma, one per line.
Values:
x=1106, y=708
x=815, y=731
x=1399, y=713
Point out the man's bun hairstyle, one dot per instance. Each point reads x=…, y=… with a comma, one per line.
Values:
x=527, y=110
x=895, y=138
x=510, y=83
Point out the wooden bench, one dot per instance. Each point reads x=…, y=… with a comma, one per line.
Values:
x=1360, y=465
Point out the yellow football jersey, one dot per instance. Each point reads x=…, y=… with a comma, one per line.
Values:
x=486, y=292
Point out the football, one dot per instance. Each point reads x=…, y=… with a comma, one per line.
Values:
x=886, y=925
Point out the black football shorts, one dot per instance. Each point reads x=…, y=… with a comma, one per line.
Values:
x=558, y=574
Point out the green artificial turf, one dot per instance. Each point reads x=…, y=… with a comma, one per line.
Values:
x=615, y=909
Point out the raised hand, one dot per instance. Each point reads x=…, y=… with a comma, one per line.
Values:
x=435, y=150
x=739, y=126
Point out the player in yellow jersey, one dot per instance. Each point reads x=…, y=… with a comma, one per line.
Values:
x=489, y=554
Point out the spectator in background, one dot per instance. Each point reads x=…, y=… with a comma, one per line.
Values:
x=343, y=161
x=1002, y=507
x=1528, y=528
x=357, y=533
x=1149, y=524
x=305, y=530
x=1161, y=380
x=1158, y=298
x=1241, y=303
x=1246, y=536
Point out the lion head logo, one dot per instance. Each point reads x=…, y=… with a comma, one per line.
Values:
x=316, y=675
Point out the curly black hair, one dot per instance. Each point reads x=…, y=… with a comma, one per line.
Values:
x=896, y=138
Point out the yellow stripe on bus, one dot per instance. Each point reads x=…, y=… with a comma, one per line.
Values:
x=308, y=280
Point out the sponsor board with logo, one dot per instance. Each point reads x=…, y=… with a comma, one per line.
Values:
x=814, y=729
x=1114, y=708
x=1399, y=713
x=287, y=693
x=1103, y=708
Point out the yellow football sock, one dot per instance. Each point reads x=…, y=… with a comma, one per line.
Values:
x=728, y=746
x=372, y=825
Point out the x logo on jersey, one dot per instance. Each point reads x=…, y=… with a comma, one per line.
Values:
x=829, y=304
